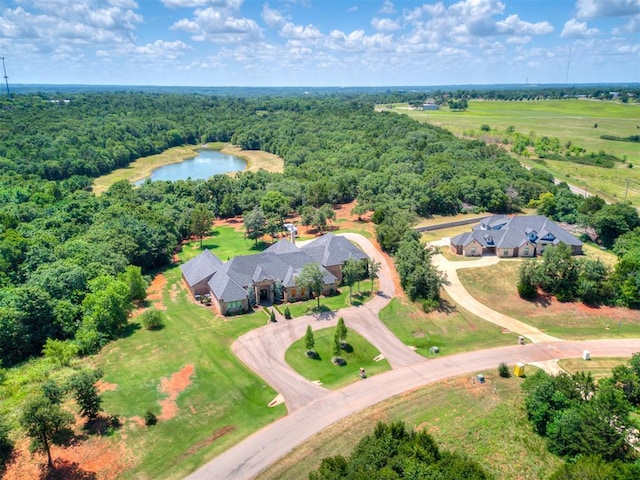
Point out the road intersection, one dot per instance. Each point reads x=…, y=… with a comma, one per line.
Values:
x=312, y=408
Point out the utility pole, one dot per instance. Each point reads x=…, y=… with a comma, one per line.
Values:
x=6, y=78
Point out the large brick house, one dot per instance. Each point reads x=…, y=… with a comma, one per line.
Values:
x=263, y=276
x=518, y=236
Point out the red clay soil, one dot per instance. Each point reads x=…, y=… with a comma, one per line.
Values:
x=103, y=386
x=154, y=292
x=95, y=457
x=173, y=386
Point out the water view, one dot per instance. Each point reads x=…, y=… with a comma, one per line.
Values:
x=203, y=165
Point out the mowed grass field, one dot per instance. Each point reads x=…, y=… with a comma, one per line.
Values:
x=495, y=286
x=568, y=120
x=486, y=422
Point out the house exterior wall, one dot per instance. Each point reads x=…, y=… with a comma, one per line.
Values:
x=527, y=250
x=455, y=248
x=506, y=252
x=473, y=249
x=200, y=288
x=336, y=270
x=329, y=289
x=227, y=308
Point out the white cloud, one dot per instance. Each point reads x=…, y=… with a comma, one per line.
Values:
x=219, y=25
x=352, y=9
x=384, y=24
x=606, y=8
x=632, y=26
x=387, y=7
x=227, y=4
x=272, y=17
x=289, y=30
x=576, y=29
x=157, y=49
x=512, y=25
x=519, y=40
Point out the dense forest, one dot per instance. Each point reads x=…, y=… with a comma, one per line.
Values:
x=589, y=423
x=71, y=263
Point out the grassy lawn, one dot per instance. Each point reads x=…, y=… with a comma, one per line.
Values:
x=440, y=219
x=599, y=367
x=225, y=242
x=332, y=302
x=486, y=425
x=359, y=353
x=452, y=329
x=224, y=403
x=496, y=286
x=568, y=120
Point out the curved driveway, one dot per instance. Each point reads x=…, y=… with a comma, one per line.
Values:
x=313, y=408
x=462, y=297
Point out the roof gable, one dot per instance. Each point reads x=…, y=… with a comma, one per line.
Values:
x=200, y=268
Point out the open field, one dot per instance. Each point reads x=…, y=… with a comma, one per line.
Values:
x=359, y=353
x=568, y=120
x=599, y=367
x=488, y=425
x=496, y=286
x=452, y=329
x=143, y=167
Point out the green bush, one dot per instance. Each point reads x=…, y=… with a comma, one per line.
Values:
x=503, y=370
x=152, y=319
x=287, y=313
x=150, y=418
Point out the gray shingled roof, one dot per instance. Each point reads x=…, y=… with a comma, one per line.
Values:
x=516, y=232
x=330, y=250
x=200, y=268
x=283, y=246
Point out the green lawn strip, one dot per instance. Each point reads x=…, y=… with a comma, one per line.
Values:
x=443, y=219
x=358, y=354
x=599, y=367
x=332, y=302
x=452, y=329
x=224, y=403
x=487, y=425
x=495, y=286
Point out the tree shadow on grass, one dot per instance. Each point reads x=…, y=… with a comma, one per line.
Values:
x=129, y=330
x=65, y=470
x=541, y=300
x=102, y=425
x=347, y=348
x=446, y=307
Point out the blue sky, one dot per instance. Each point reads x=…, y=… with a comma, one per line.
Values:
x=319, y=43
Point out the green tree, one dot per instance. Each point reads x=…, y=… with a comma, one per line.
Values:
x=528, y=279
x=309, y=340
x=558, y=272
x=351, y=273
x=275, y=205
x=311, y=277
x=373, y=270
x=132, y=276
x=613, y=220
x=108, y=305
x=86, y=393
x=341, y=330
x=201, y=221
x=255, y=223
x=337, y=345
x=60, y=351
x=43, y=421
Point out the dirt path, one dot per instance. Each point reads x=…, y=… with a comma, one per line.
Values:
x=248, y=458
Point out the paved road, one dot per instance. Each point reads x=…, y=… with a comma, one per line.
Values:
x=263, y=349
x=248, y=458
x=462, y=297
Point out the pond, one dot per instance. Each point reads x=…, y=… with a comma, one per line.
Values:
x=202, y=166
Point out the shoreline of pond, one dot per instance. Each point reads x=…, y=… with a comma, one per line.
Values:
x=143, y=167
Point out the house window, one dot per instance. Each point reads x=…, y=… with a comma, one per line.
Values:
x=526, y=251
x=505, y=252
x=302, y=292
x=473, y=250
x=293, y=292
